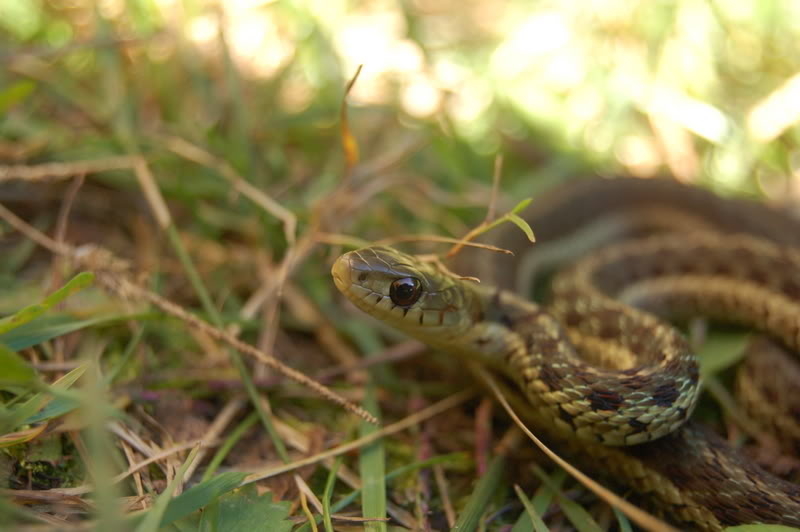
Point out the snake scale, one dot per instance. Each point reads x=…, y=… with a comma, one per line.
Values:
x=606, y=378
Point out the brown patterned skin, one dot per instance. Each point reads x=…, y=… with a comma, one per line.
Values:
x=759, y=388
x=605, y=377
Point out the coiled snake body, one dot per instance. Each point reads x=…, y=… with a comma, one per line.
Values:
x=605, y=377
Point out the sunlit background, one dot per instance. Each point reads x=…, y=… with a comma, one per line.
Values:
x=696, y=88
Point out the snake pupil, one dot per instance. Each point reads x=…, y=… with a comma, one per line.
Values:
x=405, y=292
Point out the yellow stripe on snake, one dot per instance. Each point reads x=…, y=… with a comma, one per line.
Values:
x=605, y=377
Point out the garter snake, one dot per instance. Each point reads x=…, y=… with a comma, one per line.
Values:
x=603, y=374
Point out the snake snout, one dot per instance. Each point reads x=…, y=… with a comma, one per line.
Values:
x=341, y=272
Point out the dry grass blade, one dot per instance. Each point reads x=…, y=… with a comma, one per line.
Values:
x=349, y=143
x=148, y=184
x=445, y=239
x=444, y=493
x=307, y=510
x=639, y=516
x=58, y=171
x=303, y=487
x=498, y=171
x=341, y=240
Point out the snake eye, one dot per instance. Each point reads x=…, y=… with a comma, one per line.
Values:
x=405, y=292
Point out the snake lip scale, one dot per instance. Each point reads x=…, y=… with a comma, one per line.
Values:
x=604, y=374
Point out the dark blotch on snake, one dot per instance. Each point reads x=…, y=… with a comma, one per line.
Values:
x=637, y=426
x=665, y=395
x=564, y=415
x=549, y=376
x=634, y=383
x=601, y=399
x=694, y=373
x=608, y=330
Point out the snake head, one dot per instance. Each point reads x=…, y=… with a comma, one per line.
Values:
x=404, y=292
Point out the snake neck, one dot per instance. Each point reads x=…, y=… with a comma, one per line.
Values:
x=585, y=384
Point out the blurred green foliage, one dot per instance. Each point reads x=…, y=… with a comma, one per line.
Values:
x=639, y=86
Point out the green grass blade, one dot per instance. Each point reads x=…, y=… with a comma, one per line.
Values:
x=479, y=500
x=721, y=350
x=577, y=514
x=14, y=371
x=622, y=521
x=541, y=501
x=15, y=94
x=111, y=375
x=28, y=413
x=523, y=225
x=49, y=327
x=228, y=444
x=544, y=495
x=23, y=316
x=521, y=206
x=372, y=466
x=326, y=495
x=534, y=517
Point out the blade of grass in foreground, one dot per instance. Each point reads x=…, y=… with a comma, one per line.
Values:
x=541, y=502
x=228, y=444
x=372, y=459
x=372, y=466
x=622, y=521
x=478, y=502
x=534, y=517
x=326, y=495
x=79, y=282
x=576, y=513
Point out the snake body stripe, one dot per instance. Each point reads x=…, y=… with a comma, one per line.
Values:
x=611, y=382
